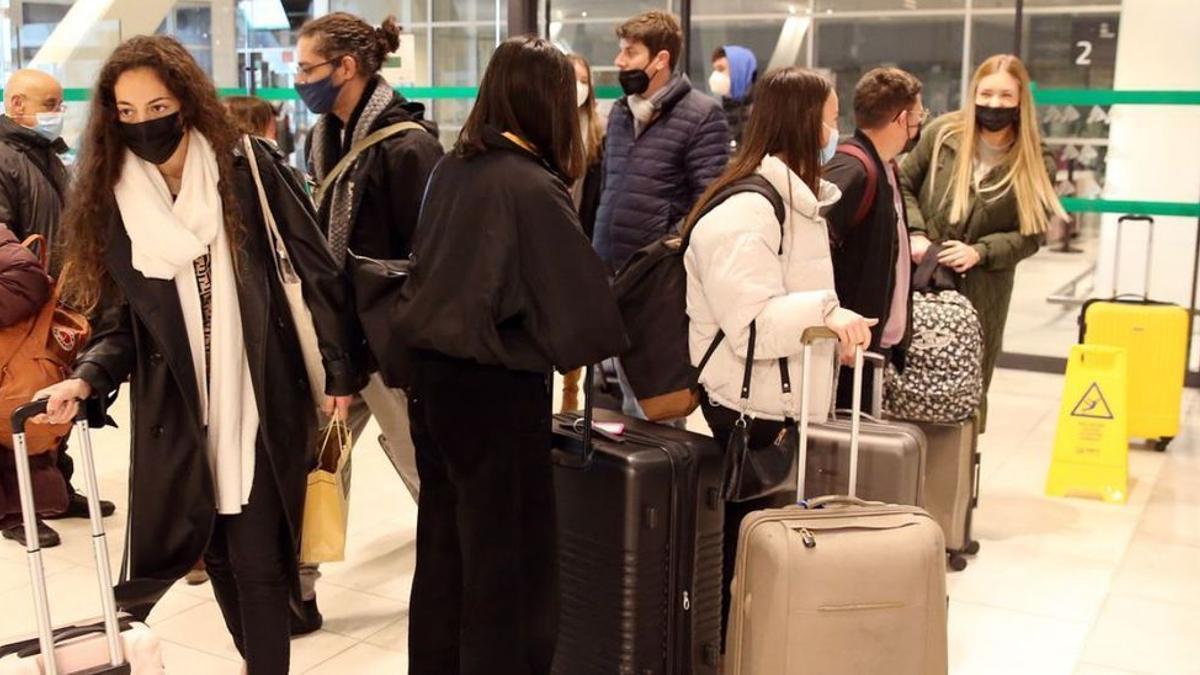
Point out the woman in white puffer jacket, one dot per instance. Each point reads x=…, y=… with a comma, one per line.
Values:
x=742, y=271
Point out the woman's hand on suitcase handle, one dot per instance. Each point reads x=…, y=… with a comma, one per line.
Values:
x=852, y=331
x=63, y=399
x=337, y=407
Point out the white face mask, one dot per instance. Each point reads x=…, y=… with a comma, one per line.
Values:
x=719, y=83
x=581, y=93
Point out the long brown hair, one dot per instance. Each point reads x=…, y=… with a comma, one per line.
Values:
x=91, y=205
x=528, y=89
x=593, y=131
x=1025, y=172
x=788, y=116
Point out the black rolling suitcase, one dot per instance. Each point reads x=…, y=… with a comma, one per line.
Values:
x=640, y=524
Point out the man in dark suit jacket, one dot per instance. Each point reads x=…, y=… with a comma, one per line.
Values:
x=868, y=228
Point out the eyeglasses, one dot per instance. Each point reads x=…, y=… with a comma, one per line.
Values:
x=303, y=73
x=922, y=117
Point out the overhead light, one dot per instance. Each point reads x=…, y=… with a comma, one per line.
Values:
x=584, y=15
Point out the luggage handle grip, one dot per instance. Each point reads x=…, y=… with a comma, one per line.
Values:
x=836, y=500
x=34, y=648
x=28, y=411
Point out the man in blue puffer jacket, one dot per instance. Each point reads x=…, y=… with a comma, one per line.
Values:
x=666, y=142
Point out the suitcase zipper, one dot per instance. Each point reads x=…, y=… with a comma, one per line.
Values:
x=807, y=536
x=687, y=602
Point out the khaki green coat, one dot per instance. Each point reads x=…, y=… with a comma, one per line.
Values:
x=991, y=227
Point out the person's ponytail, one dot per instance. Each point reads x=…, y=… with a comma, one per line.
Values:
x=387, y=38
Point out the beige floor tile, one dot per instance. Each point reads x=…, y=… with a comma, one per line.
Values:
x=316, y=648
x=1064, y=527
x=181, y=660
x=356, y=614
x=381, y=564
x=394, y=636
x=173, y=604
x=1144, y=635
x=1153, y=570
x=993, y=641
x=364, y=659
x=73, y=597
x=1008, y=575
x=1173, y=523
x=201, y=628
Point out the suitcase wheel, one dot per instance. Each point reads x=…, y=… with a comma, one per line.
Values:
x=972, y=547
x=1162, y=443
x=957, y=562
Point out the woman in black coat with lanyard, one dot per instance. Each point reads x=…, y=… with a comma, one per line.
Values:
x=504, y=289
x=168, y=254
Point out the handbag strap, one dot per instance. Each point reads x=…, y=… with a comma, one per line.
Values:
x=357, y=149
x=785, y=377
x=280, y=259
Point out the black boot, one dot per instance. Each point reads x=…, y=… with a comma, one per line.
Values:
x=47, y=537
x=310, y=622
x=77, y=507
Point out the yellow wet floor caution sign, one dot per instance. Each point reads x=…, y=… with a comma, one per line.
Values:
x=1091, y=450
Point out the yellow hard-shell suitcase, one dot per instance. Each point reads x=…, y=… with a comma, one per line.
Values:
x=1155, y=337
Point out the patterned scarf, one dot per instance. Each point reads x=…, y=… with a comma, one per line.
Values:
x=341, y=195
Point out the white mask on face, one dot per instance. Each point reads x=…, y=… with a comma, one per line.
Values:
x=719, y=83
x=581, y=93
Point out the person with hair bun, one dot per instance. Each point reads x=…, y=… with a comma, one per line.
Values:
x=371, y=208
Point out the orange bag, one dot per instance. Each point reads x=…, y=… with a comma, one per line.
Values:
x=35, y=354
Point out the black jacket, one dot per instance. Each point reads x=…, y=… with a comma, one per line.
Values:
x=864, y=255
x=389, y=177
x=593, y=185
x=139, y=337
x=502, y=273
x=33, y=181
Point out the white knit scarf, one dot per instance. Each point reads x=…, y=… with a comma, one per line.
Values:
x=166, y=239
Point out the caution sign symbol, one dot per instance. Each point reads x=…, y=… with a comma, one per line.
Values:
x=1093, y=405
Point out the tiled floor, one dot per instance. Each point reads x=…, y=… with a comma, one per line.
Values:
x=1060, y=587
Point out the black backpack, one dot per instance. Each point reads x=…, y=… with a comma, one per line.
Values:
x=651, y=292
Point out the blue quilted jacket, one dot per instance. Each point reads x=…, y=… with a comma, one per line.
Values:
x=652, y=182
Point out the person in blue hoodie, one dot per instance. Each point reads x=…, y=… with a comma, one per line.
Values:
x=734, y=71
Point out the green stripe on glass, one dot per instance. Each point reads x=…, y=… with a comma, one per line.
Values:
x=1186, y=209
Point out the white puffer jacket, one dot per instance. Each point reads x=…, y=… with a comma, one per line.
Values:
x=736, y=276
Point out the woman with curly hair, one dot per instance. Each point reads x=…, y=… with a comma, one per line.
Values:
x=168, y=254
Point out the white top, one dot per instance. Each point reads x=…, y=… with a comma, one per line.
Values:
x=736, y=275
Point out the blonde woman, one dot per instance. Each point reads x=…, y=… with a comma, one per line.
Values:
x=585, y=192
x=979, y=184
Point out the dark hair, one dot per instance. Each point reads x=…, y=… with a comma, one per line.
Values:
x=718, y=54
x=91, y=204
x=528, y=89
x=251, y=115
x=344, y=34
x=788, y=114
x=658, y=31
x=882, y=94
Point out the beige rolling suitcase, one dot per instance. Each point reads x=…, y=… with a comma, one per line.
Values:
x=838, y=586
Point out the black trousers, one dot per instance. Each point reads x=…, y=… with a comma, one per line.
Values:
x=249, y=567
x=485, y=592
x=762, y=433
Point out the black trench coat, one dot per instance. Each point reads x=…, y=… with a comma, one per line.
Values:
x=139, y=336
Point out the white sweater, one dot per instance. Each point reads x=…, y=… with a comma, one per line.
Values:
x=736, y=276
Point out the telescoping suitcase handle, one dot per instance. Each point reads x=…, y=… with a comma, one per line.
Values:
x=1149, y=252
x=810, y=337
x=37, y=572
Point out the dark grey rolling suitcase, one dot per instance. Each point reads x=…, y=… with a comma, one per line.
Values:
x=892, y=455
x=952, y=485
x=640, y=523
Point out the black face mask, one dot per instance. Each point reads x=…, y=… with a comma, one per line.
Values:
x=634, y=82
x=996, y=119
x=154, y=141
x=912, y=142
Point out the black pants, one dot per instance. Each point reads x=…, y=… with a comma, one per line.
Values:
x=845, y=386
x=485, y=592
x=249, y=568
x=762, y=433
